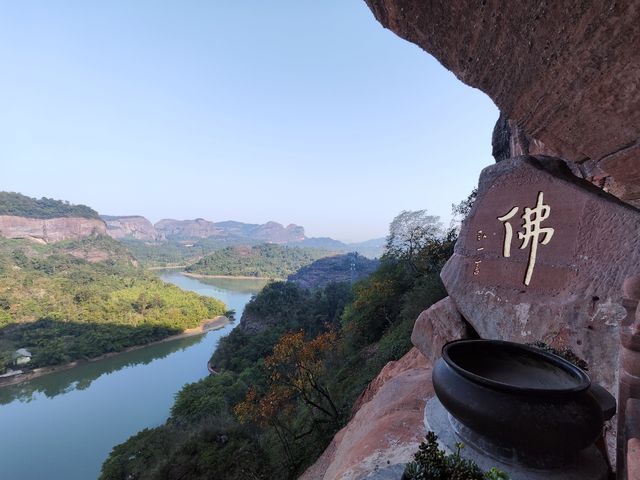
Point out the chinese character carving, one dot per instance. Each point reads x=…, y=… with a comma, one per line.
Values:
x=508, y=231
x=532, y=220
x=476, y=268
x=479, y=237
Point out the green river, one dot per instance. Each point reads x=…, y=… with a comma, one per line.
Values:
x=63, y=425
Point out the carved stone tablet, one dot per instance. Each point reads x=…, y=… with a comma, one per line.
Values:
x=543, y=255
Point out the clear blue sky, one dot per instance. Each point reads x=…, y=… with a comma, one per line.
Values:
x=297, y=111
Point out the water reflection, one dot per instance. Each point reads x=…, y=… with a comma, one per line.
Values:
x=239, y=285
x=81, y=377
x=69, y=421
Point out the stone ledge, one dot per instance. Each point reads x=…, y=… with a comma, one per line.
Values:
x=589, y=466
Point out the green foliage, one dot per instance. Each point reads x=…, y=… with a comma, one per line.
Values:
x=176, y=252
x=209, y=451
x=239, y=359
x=407, y=282
x=210, y=398
x=266, y=260
x=22, y=206
x=431, y=463
x=280, y=307
x=5, y=361
x=63, y=307
x=410, y=232
x=370, y=324
x=461, y=210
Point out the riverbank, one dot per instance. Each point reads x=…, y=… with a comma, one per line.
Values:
x=172, y=267
x=232, y=277
x=206, y=326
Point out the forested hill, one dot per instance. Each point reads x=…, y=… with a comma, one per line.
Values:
x=80, y=299
x=266, y=260
x=288, y=377
x=349, y=267
x=16, y=204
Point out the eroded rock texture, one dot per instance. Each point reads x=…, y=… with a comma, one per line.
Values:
x=277, y=233
x=574, y=294
x=387, y=427
x=439, y=324
x=198, y=228
x=567, y=73
x=51, y=229
x=131, y=226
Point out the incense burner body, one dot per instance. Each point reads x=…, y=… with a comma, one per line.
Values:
x=518, y=398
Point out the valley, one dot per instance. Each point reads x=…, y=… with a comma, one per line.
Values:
x=86, y=311
x=69, y=420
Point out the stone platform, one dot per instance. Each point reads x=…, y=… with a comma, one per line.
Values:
x=590, y=465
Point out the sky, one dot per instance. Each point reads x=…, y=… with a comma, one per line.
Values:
x=296, y=111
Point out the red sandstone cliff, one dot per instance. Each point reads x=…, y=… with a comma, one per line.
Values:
x=198, y=228
x=387, y=428
x=50, y=230
x=135, y=227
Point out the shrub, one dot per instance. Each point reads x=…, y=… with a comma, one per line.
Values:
x=431, y=463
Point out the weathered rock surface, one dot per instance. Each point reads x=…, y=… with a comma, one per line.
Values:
x=51, y=229
x=338, y=268
x=183, y=229
x=509, y=141
x=132, y=226
x=567, y=73
x=97, y=254
x=277, y=233
x=574, y=297
x=387, y=428
x=439, y=324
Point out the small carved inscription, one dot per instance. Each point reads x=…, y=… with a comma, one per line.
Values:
x=479, y=237
x=476, y=268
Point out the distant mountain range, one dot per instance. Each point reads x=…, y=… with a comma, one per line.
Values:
x=47, y=220
x=230, y=233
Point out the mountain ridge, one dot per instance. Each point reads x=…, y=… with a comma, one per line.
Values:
x=46, y=220
x=234, y=232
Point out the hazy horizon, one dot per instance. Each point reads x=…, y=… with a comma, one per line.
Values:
x=297, y=112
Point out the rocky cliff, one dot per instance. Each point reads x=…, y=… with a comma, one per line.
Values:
x=51, y=229
x=564, y=76
x=567, y=290
x=386, y=428
x=277, y=233
x=563, y=72
x=185, y=229
x=134, y=227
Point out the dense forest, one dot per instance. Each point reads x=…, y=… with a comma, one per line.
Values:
x=62, y=307
x=347, y=267
x=173, y=252
x=266, y=260
x=282, y=392
x=179, y=252
x=22, y=206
